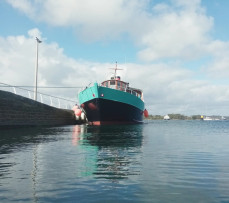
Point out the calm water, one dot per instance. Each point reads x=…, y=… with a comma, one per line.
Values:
x=162, y=161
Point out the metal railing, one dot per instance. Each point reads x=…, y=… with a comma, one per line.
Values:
x=124, y=89
x=54, y=101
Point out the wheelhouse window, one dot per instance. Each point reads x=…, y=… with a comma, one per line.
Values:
x=105, y=84
x=118, y=85
x=123, y=86
x=112, y=84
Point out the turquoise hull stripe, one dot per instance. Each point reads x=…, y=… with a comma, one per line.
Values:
x=87, y=94
x=110, y=94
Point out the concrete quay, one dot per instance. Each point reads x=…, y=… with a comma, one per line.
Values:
x=16, y=110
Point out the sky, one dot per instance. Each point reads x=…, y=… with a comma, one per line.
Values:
x=176, y=51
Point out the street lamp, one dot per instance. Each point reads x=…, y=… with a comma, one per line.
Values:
x=36, y=70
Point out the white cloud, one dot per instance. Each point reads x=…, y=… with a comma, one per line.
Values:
x=218, y=66
x=25, y=6
x=92, y=20
x=177, y=30
x=191, y=5
x=35, y=33
x=17, y=64
x=166, y=89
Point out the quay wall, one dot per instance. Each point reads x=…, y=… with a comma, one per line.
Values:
x=16, y=110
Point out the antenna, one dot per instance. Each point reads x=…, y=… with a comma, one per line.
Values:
x=115, y=69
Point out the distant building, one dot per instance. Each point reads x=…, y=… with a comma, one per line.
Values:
x=206, y=118
x=166, y=117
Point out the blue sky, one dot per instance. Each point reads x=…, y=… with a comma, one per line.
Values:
x=101, y=50
x=175, y=50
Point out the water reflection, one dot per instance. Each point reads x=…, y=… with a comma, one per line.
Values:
x=158, y=162
x=22, y=138
x=34, y=174
x=15, y=140
x=20, y=161
x=118, y=149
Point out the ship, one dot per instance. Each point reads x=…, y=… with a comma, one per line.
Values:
x=112, y=102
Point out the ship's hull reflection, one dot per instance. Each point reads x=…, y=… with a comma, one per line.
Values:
x=118, y=149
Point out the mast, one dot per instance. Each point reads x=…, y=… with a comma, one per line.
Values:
x=115, y=69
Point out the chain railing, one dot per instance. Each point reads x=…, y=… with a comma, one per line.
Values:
x=54, y=101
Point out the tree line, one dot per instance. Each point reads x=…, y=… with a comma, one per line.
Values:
x=175, y=117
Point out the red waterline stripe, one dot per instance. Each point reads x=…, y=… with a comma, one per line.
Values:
x=97, y=123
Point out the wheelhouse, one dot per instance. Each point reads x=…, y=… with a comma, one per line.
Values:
x=116, y=83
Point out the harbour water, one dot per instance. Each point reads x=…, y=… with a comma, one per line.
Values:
x=160, y=161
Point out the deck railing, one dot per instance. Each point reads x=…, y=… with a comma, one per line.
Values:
x=54, y=101
x=124, y=89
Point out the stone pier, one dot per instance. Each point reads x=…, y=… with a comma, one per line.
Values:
x=16, y=110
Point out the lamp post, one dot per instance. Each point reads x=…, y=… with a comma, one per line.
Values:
x=36, y=69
